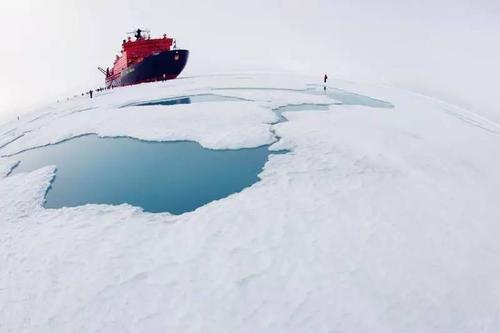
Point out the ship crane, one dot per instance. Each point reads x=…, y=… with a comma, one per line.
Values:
x=103, y=71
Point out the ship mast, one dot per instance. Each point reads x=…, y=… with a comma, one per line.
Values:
x=138, y=33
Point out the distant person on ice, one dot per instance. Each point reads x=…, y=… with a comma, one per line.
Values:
x=325, y=78
x=90, y=93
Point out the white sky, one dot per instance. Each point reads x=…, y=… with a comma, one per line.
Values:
x=449, y=49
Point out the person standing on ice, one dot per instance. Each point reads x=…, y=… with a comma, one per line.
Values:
x=90, y=93
x=325, y=78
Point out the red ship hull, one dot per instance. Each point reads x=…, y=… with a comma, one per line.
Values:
x=163, y=66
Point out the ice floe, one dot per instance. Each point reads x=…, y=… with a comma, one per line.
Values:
x=377, y=220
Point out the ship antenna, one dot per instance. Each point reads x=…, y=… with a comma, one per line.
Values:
x=138, y=33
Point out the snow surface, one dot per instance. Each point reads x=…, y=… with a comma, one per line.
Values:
x=378, y=220
x=6, y=167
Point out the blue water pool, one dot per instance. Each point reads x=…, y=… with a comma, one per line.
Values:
x=301, y=107
x=189, y=99
x=338, y=96
x=173, y=177
x=349, y=98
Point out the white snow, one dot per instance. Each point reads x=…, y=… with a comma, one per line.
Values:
x=24, y=194
x=378, y=220
x=6, y=167
x=220, y=127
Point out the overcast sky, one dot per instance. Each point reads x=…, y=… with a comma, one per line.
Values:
x=448, y=49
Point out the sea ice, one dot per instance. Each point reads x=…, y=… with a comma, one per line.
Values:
x=377, y=220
